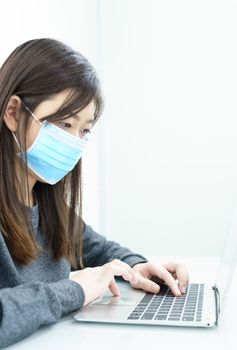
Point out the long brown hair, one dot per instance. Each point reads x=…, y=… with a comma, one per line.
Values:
x=35, y=71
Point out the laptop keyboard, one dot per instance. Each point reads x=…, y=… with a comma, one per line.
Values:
x=165, y=306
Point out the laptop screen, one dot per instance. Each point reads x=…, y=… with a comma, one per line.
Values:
x=228, y=259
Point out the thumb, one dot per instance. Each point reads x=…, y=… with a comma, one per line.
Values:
x=114, y=288
x=147, y=285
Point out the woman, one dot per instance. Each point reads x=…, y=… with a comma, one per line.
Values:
x=50, y=99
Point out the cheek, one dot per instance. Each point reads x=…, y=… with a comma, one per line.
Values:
x=31, y=133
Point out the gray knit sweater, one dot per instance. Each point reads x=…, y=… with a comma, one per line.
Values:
x=40, y=293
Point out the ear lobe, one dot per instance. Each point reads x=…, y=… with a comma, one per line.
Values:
x=12, y=113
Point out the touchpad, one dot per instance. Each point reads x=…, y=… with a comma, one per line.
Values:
x=127, y=297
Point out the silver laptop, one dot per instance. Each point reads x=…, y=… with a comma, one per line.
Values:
x=200, y=306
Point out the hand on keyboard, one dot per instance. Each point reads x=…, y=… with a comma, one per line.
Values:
x=151, y=274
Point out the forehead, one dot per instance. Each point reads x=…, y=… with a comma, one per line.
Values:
x=87, y=114
x=53, y=104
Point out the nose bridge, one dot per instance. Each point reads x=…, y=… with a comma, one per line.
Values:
x=76, y=132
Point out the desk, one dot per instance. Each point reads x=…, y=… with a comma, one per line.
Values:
x=69, y=334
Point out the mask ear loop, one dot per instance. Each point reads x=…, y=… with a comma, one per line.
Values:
x=36, y=119
x=17, y=142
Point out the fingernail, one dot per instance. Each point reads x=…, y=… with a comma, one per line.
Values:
x=183, y=289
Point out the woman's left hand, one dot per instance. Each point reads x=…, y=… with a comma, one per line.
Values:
x=151, y=274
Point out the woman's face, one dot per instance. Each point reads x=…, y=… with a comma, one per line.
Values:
x=77, y=125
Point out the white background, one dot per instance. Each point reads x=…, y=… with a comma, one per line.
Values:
x=160, y=174
x=170, y=81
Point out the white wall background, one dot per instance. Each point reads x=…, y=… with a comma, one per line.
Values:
x=160, y=174
x=169, y=154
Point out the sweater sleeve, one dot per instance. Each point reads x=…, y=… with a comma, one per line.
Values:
x=97, y=250
x=24, y=308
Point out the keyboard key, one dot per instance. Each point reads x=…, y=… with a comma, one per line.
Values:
x=133, y=317
x=175, y=316
x=161, y=317
x=187, y=319
x=147, y=298
x=148, y=316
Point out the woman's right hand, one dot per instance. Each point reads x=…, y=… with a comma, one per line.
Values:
x=96, y=280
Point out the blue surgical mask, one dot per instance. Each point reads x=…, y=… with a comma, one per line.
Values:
x=54, y=152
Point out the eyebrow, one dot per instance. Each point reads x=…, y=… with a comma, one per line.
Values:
x=88, y=121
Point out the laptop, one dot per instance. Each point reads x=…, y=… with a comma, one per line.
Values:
x=200, y=306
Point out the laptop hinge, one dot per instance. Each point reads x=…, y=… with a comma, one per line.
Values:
x=217, y=303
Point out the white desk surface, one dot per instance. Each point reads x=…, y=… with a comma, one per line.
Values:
x=69, y=334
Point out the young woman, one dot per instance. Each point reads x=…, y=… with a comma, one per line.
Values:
x=50, y=99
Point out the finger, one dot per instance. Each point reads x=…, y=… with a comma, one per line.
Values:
x=119, y=268
x=114, y=288
x=161, y=272
x=147, y=285
x=181, y=272
x=127, y=267
x=183, y=277
x=111, y=270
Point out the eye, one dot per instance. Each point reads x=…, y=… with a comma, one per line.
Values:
x=65, y=125
x=86, y=131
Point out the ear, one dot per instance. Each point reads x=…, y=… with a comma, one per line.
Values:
x=12, y=113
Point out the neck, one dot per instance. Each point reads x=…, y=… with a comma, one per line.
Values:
x=32, y=199
x=28, y=201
